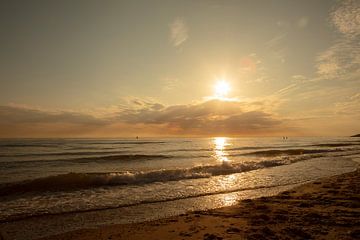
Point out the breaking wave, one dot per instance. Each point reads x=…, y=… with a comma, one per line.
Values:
x=74, y=181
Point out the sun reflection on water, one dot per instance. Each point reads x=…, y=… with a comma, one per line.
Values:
x=229, y=199
x=226, y=183
x=220, y=153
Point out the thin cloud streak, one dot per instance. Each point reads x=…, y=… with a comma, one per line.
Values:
x=178, y=32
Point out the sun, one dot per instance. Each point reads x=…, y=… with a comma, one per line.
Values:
x=222, y=88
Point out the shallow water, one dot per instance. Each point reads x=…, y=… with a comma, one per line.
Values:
x=40, y=177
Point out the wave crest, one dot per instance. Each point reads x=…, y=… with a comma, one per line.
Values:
x=74, y=181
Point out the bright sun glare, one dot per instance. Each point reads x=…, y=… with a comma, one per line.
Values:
x=222, y=88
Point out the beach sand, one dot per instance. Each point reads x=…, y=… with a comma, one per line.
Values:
x=325, y=209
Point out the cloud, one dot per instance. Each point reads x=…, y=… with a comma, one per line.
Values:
x=170, y=84
x=299, y=78
x=349, y=106
x=207, y=118
x=346, y=17
x=13, y=114
x=178, y=32
x=318, y=96
x=212, y=117
x=137, y=103
x=342, y=60
x=277, y=46
x=18, y=121
x=328, y=67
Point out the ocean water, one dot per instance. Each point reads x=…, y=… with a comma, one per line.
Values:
x=54, y=176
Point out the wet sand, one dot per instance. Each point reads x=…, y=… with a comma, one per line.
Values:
x=324, y=209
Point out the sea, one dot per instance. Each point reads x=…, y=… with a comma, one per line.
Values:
x=112, y=181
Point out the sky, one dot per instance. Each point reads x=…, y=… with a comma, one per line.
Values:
x=150, y=68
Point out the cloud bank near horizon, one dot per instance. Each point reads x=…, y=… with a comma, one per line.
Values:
x=208, y=118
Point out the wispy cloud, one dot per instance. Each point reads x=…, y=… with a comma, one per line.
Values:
x=342, y=60
x=349, y=106
x=346, y=17
x=320, y=96
x=178, y=32
x=170, y=84
x=299, y=78
x=277, y=46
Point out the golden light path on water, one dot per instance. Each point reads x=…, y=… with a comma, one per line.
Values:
x=222, y=156
x=220, y=153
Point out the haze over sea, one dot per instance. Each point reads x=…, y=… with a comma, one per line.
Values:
x=174, y=175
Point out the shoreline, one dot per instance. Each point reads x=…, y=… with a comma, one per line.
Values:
x=42, y=226
x=327, y=208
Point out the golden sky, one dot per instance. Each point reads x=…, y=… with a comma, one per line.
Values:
x=179, y=68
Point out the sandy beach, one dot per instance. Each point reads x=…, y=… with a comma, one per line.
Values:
x=325, y=209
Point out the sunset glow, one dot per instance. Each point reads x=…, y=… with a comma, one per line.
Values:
x=182, y=73
x=222, y=88
x=128, y=119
